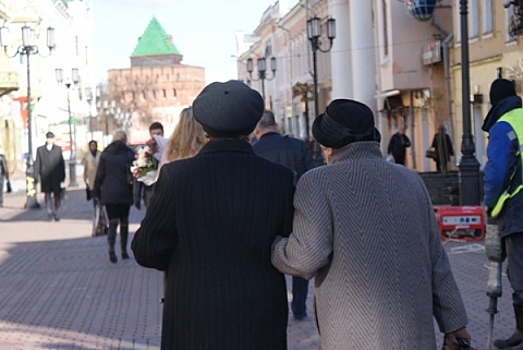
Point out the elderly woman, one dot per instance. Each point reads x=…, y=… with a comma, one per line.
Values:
x=366, y=231
x=214, y=240
x=113, y=187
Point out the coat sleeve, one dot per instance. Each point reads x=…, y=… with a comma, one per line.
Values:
x=62, y=167
x=448, y=308
x=99, y=178
x=155, y=240
x=309, y=246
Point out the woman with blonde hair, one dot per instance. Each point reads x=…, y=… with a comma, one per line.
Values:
x=186, y=140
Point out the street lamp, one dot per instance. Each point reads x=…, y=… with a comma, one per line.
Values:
x=27, y=49
x=262, y=71
x=89, y=99
x=75, y=78
x=109, y=108
x=314, y=34
x=469, y=165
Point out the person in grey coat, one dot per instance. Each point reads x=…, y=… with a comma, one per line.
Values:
x=211, y=223
x=365, y=229
x=50, y=171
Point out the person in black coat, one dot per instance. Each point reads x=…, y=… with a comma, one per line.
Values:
x=113, y=187
x=398, y=146
x=295, y=155
x=50, y=171
x=210, y=224
x=442, y=144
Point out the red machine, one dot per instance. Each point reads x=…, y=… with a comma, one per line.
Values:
x=460, y=223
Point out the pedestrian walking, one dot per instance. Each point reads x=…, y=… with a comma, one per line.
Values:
x=210, y=224
x=113, y=188
x=90, y=163
x=398, y=144
x=144, y=190
x=503, y=181
x=4, y=174
x=365, y=229
x=442, y=145
x=50, y=171
x=295, y=155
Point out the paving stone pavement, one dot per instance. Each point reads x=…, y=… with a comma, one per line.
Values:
x=59, y=290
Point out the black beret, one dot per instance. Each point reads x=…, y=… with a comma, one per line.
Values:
x=49, y=135
x=345, y=121
x=501, y=89
x=228, y=109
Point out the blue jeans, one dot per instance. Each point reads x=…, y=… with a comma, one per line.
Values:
x=300, y=287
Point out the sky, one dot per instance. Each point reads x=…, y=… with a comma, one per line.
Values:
x=202, y=30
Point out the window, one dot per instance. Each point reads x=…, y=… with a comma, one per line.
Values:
x=76, y=46
x=473, y=18
x=458, y=21
x=488, y=20
x=509, y=15
x=164, y=93
x=385, y=32
x=174, y=92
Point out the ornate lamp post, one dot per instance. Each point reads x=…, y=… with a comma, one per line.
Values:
x=89, y=99
x=469, y=165
x=314, y=34
x=262, y=71
x=108, y=108
x=69, y=83
x=27, y=49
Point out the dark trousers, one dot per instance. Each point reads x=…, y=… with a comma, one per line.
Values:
x=300, y=287
x=514, y=249
x=399, y=159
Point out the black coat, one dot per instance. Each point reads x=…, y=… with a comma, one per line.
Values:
x=113, y=181
x=211, y=222
x=287, y=151
x=398, y=145
x=49, y=168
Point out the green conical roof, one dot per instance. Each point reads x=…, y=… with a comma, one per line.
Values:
x=154, y=41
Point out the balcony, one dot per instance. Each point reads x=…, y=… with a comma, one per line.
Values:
x=9, y=81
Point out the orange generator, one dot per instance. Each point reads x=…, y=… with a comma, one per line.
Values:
x=465, y=223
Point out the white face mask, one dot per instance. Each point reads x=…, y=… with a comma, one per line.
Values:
x=49, y=146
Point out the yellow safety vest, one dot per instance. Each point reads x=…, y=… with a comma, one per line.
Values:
x=515, y=120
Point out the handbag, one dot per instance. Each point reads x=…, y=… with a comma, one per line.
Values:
x=63, y=194
x=88, y=193
x=8, y=187
x=100, y=221
x=431, y=154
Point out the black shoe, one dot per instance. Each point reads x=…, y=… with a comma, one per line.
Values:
x=125, y=255
x=56, y=218
x=300, y=317
x=112, y=257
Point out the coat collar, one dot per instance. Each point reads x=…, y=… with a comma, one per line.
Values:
x=357, y=150
x=226, y=145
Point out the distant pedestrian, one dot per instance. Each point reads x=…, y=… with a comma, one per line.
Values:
x=50, y=171
x=295, y=155
x=442, y=144
x=210, y=224
x=113, y=188
x=365, y=229
x=503, y=182
x=398, y=144
x=90, y=163
x=4, y=174
x=144, y=191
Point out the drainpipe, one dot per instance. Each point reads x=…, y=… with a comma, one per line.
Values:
x=446, y=64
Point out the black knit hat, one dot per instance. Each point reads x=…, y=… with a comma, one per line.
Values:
x=501, y=89
x=345, y=121
x=49, y=135
x=228, y=109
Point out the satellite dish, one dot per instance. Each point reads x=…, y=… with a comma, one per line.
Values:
x=422, y=10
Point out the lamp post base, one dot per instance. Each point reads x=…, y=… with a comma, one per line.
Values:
x=30, y=188
x=469, y=181
x=72, y=173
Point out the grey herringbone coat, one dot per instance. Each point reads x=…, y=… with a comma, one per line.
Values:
x=366, y=230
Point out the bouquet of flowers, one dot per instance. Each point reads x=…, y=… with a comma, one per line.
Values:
x=145, y=165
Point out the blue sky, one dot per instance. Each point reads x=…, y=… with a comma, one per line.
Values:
x=202, y=30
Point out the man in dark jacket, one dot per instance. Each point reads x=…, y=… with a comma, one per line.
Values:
x=503, y=181
x=210, y=224
x=4, y=173
x=50, y=171
x=295, y=155
x=398, y=146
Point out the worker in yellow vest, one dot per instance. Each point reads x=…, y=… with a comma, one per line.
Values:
x=503, y=182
